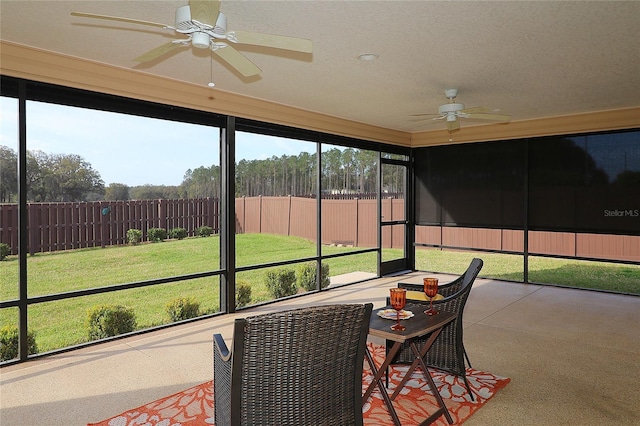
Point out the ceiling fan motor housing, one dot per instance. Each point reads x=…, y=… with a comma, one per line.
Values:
x=450, y=108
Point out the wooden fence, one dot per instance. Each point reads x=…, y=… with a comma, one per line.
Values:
x=351, y=222
x=65, y=226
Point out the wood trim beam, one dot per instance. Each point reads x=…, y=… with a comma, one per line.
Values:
x=628, y=118
x=39, y=65
x=26, y=62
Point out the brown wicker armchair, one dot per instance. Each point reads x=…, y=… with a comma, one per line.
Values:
x=299, y=367
x=447, y=352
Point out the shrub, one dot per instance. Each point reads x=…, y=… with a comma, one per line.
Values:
x=183, y=308
x=134, y=236
x=307, y=273
x=156, y=234
x=4, y=251
x=177, y=233
x=281, y=282
x=109, y=320
x=204, y=231
x=9, y=342
x=243, y=293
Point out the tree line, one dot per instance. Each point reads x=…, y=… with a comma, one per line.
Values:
x=69, y=177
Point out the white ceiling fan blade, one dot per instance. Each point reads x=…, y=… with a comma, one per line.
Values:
x=475, y=110
x=157, y=52
x=421, y=119
x=237, y=60
x=116, y=18
x=493, y=117
x=271, y=40
x=205, y=11
x=425, y=115
x=453, y=125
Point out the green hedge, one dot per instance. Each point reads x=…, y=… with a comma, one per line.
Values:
x=307, y=274
x=156, y=234
x=134, y=236
x=109, y=320
x=281, y=282
x=9, y=342
x=177, y=233
x=204, y=231
x=243, y=293
x=183, y=308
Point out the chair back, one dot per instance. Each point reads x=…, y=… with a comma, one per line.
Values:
x=298, y=367
x=447, y=352
x=455, y=301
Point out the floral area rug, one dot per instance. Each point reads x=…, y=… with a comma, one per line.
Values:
x=194, y=406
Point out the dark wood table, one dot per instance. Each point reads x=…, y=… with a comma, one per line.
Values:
x=419, y=325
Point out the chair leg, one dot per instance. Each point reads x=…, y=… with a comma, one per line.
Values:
x=464, y=377
x=467, y=358
x=466, y=383
x=386, y=378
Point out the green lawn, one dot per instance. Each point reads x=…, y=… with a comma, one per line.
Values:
x=566, y=272
x=62, y=323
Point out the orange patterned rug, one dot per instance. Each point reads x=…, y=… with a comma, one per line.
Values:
x=194, y=406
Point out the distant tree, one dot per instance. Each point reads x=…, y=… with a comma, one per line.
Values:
x=202, y=182
x=61, y=177
x=155, y=192
x=71, y=178
x=116, y=192
x=8, y=174
x=629, y=179
x=366, y=170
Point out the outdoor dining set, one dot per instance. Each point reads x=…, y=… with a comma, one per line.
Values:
x=305, y=366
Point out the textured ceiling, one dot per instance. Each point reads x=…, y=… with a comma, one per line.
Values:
x=530, y=59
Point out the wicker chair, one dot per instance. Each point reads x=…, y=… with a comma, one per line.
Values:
x=447, y=352
x=299, y=367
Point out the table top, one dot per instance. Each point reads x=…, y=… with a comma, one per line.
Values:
x=419, y=325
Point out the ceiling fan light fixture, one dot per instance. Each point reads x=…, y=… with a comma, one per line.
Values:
x=200, y=40
x=368, y=56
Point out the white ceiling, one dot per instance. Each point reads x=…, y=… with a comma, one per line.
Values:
x=530, y=59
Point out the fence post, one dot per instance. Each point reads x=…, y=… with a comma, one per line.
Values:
x=357, y=230
x=103, y=229
x=260, y=214
x=289, y=218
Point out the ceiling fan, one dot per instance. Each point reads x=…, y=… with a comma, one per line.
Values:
x=451, y=112
x=206, y=28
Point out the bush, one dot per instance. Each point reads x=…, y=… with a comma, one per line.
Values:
x=178, y=233
x=183, y=308
x=156, y=234
x=134, y=236
x=204, y=231
x=109, y=320
x=4, y=251
x=243, y=293
x=9, y=342
x=281, y=282
x=307, y=273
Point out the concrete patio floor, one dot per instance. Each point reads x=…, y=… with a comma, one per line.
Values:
x=572, y=356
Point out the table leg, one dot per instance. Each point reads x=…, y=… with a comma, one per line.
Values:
x=377, y=380
x=443, y=408
x=409, y=372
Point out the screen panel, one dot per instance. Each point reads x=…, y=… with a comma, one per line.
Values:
x=476, y=185
x=588, y=183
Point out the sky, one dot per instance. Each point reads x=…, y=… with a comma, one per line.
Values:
x=128, y=149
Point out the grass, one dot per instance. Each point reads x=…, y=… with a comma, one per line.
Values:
x=62, y=323
x=545, y=270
